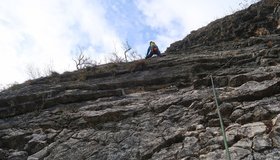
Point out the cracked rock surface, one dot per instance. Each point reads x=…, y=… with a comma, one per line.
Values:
x=160, y=108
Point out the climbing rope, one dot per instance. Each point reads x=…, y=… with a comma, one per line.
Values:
x=218, y=109
x=221, y=120
x=223, y=66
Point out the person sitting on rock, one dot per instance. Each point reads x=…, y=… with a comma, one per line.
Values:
x=153, y=49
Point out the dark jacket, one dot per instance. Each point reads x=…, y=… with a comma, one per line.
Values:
x=153, y=49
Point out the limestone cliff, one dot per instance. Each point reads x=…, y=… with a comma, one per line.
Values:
x=160, y=108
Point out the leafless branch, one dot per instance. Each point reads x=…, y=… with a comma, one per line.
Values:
x=126, y=47
x=82, y=61
x=33, y=72
x=115, y=58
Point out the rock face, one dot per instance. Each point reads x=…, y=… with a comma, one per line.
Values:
x=160, y=108
x=259, y=19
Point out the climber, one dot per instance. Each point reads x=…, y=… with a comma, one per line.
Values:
x=153, y=49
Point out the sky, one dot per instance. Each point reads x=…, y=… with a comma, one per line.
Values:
x=47, y=34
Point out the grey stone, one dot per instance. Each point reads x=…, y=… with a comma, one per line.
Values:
x=252, y=129
x=249, y=130
x=245, y=143
x=273, y=154
x=239, y=153
x=190, y=147
x=246, y=117
x=239, y=80
x=37, y=143
x=236, y=114
x=3, y=154
x=20, y=155
x=226, y=109
x=159, y=108
x=261, y=143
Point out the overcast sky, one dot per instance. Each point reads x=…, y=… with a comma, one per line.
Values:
x=46, y=33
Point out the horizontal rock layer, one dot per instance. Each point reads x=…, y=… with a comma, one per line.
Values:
x=160, y=108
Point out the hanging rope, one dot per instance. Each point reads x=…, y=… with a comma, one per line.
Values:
x=222, y=66
x=221, y=120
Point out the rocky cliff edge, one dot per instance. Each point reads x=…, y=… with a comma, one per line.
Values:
x=160, y=108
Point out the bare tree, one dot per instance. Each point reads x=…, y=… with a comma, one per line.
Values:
x=126, y=47
x=134, y=56
x=82, y=61
x=48, y=70
x=115, y=58
x=130, y=54
x=33, y=72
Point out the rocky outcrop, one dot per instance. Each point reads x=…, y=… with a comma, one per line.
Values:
x=160, y=108
x=259, y=19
